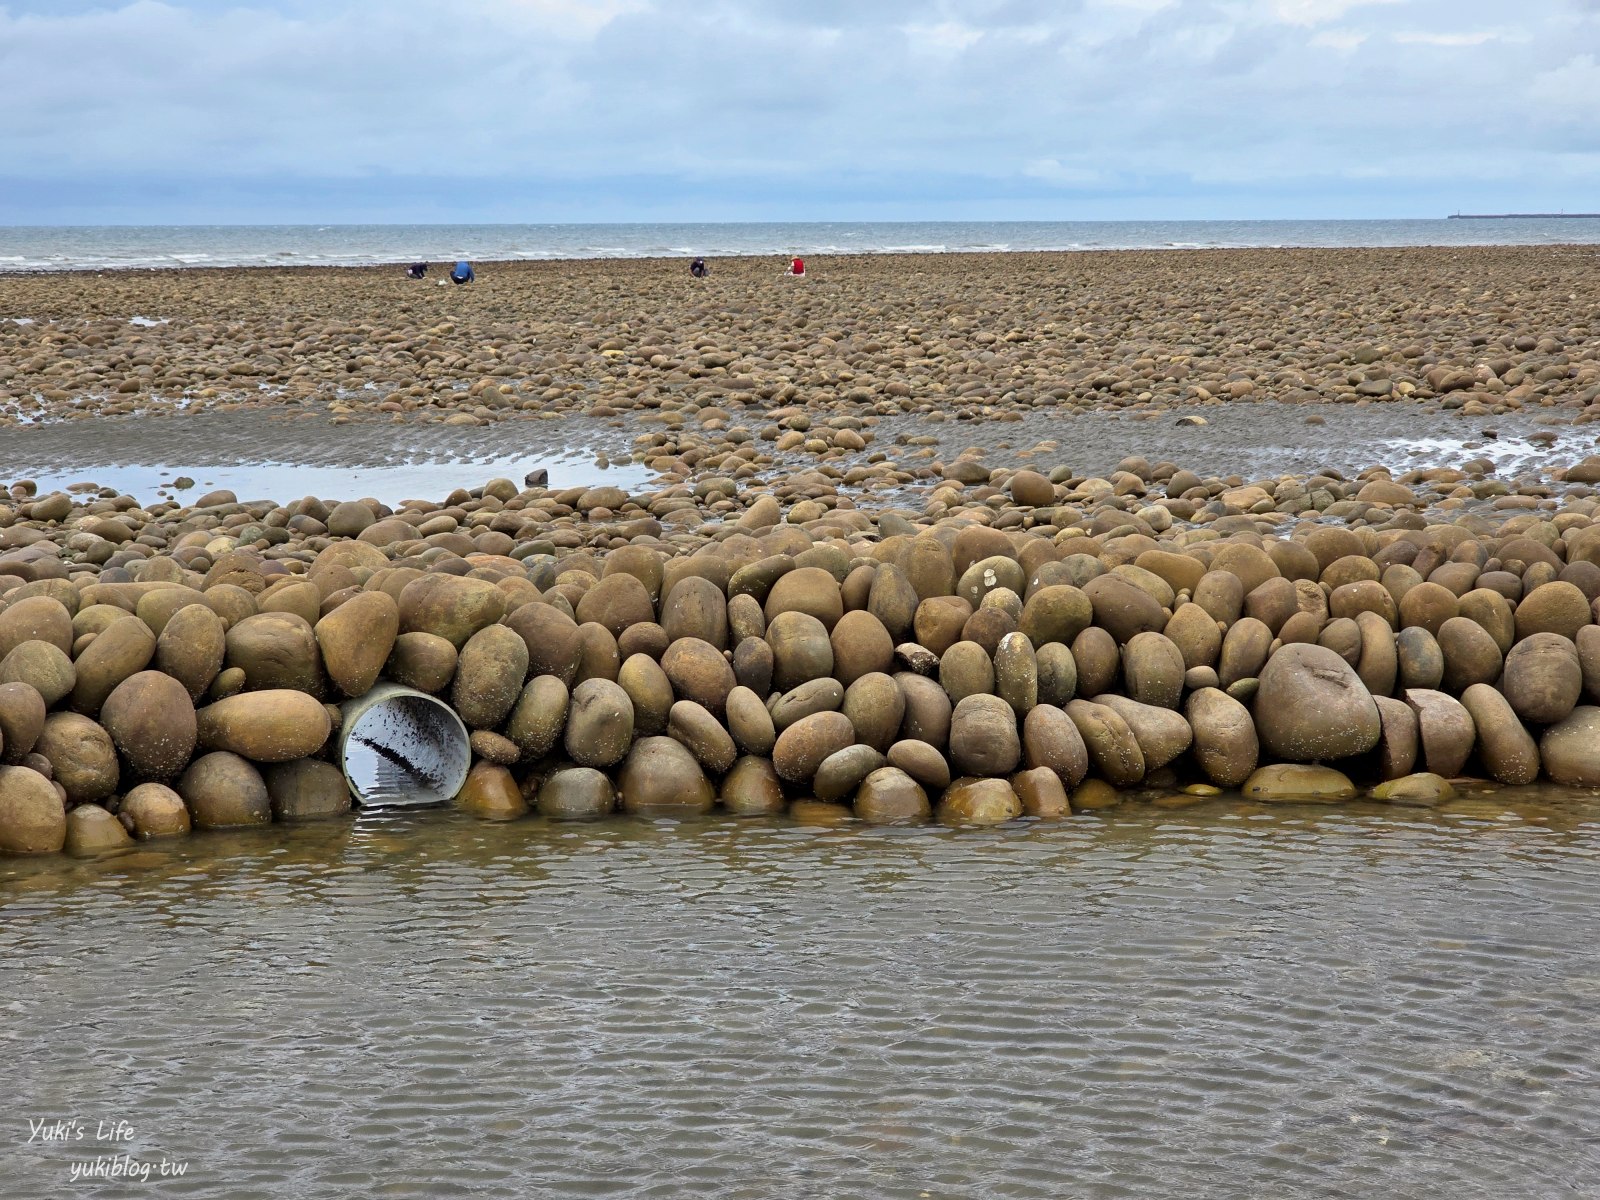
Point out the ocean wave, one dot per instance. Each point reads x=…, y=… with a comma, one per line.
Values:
x=176, y=247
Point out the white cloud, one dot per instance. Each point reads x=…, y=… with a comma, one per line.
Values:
x=1445, y=39
x=1144, y=6
x=1569, y=89
x=947, y=37
x=1054, y=171
x=1344, y=40
x=1318, y=12
x=567, y=18
x=610, y=108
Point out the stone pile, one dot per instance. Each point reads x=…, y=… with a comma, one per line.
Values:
x=1019, y=646
x=1488, y=330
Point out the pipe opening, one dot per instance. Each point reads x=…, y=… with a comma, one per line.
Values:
x=403, y=748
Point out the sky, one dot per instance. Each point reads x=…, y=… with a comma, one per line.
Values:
x=288, y=111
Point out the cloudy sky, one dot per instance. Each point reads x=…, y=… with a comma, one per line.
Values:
x=559, y=110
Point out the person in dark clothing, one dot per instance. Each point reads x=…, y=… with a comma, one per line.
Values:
x=699, y=269
x=417, y=271
x=462, y=273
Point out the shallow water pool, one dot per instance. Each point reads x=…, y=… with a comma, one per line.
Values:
x=1219, y=1001
x=287, y=482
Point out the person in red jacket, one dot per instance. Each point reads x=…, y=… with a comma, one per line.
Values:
x=797, y=268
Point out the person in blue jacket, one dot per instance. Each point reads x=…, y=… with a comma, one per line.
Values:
x=462, y=273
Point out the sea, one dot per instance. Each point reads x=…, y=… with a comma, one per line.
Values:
x=143, y=247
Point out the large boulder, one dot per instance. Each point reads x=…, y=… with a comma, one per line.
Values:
x=1123, y=608
x=93, y=830
x=922, y=762
x=979, y=802
x=698, y=671
x=1153, y=668
x=1162, y=734
x=1311, y=706
x=154, y=810
x=1570, y=749
x=801, y=649
x=35, y=618
x=752, y=789
x=1113, y=748
x=843, y=771
x=576, y=794
x=192, y=647
x=983, y=736
x=1543, y=680
x=702, y=734
x=599, y=724
x=356, y=639
x=1444, y=729
x=539, y=716
x=450, y=606
x=276, y=650
x=661, y=778
x=1042, y=793
x=151, y=721
x=1297, y=782
x=1051, y=740
x=33, y=820
x=22, y=716
x=876, y=708
x=889, y=796
x=1225, y=743
x=489, y=675
x=269, y=726
x=306, y=789
x=122, y=649
x=491, y=794
x=225, y=791
x=801, y=748
x=81, y=756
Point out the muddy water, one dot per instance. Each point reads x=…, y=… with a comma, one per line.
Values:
x=1217, y=1001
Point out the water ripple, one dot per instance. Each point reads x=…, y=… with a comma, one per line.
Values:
x=1216, y=1001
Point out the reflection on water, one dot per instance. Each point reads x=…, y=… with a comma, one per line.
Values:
x=1216, y=1001
x=284, y=482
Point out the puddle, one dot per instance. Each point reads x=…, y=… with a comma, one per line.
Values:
x=285, y=482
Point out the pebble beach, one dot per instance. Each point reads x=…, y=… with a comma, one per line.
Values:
x=967, y=538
